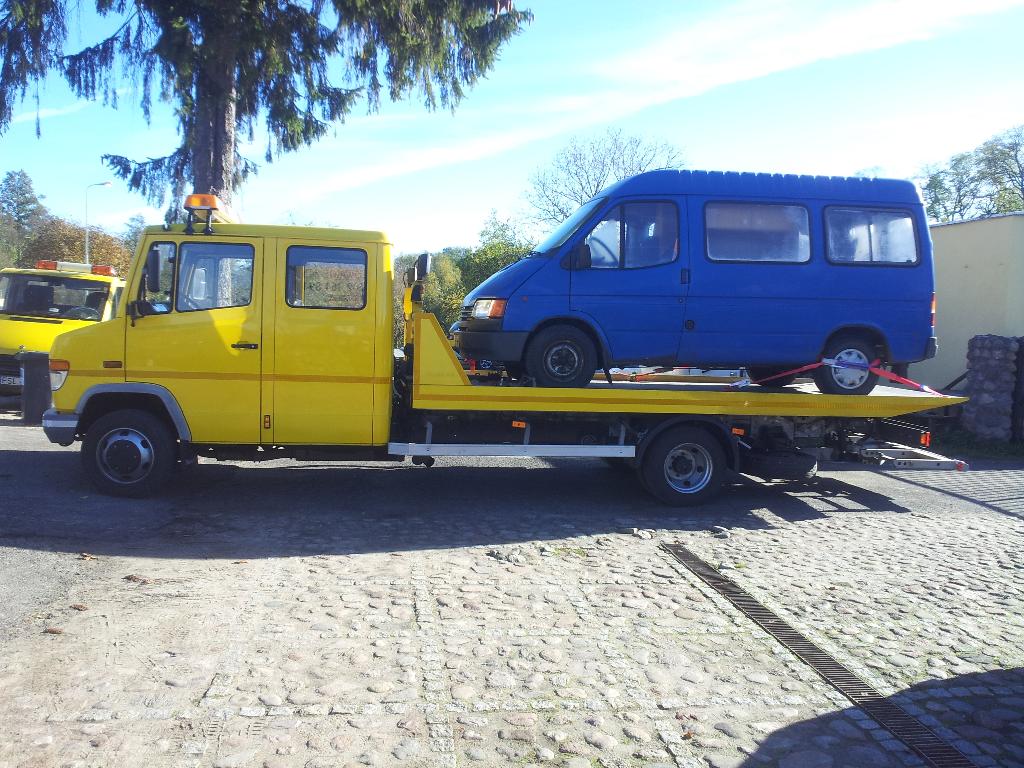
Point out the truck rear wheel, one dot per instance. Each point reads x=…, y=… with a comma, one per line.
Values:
x=684, y=466
x=129, y=453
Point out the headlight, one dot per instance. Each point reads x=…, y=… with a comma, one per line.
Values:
x=58, y=373
x=484, y=309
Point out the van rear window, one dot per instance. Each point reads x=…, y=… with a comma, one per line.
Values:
x=757, y=232
x=870, y=236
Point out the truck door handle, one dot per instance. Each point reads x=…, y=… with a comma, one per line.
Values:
x=244, y=345
x=684, y=276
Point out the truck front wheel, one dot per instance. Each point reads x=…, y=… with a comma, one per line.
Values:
x=128, y=453
x=684, y=466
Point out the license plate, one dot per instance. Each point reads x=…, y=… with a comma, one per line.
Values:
x=13, y=381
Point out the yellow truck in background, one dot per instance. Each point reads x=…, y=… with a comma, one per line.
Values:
x=37, y=305
x=248, y=342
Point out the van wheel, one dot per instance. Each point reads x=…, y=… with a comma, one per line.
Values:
x=129, y=453
x=684, y=466
x=561, y=356
x=757, y=373
x=847, y=381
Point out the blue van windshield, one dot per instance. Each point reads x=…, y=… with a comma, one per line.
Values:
x=567, y=227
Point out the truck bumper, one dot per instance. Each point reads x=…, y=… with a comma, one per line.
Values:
x=505, y=346
x=932, y=349
x=60, y=428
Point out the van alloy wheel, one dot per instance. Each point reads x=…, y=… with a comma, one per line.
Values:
x=562, y=360
x=851, y=378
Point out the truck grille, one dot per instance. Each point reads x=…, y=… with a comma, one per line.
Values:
x=9, y=366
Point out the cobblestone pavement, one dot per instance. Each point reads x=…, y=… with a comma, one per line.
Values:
x=503, y=613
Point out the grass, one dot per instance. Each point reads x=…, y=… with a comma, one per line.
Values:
x=961, y=444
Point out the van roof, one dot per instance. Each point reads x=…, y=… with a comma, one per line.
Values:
x=768, y=185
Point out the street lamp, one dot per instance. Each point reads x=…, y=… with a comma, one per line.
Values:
x=90, y=186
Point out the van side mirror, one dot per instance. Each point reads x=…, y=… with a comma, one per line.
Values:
x=579, y=257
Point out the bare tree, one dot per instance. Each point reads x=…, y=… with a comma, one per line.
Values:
x=954, y=192
x=586, y=166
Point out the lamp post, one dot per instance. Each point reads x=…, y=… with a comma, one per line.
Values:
x=90, y=186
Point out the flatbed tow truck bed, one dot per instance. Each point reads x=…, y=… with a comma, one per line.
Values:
x=775, y=434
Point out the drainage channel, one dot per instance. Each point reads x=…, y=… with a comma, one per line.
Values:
x=935, y=752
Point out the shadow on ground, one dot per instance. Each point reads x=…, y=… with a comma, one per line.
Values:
x=980, y=714
x=245, y=510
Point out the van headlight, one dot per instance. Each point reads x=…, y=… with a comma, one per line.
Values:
x=58, y=373
x=489, y=309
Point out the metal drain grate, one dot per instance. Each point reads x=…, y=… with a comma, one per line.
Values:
x=936, y=752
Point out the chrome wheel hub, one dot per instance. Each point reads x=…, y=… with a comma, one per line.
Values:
x=688, y=468
x=125, y=455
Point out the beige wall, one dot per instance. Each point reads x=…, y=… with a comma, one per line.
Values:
x=979, y=287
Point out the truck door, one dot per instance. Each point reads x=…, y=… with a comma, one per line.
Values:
x=202, y=341
x=636, y=282
x=323, y=367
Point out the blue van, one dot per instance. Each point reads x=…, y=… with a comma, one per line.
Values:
x=718, y=270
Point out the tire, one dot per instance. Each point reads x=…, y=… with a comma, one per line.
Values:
x=763, y=373
x=847, y=381
x=129, y=453
x=561, y=356
x=684, y=467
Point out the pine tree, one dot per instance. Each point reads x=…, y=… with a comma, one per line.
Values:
x=293, y=67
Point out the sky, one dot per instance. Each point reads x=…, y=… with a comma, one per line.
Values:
x=833, y=87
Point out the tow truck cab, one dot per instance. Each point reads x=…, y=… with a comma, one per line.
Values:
x=241, y=335
x=37, y=305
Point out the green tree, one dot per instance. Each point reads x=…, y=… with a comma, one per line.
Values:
x=21, y=214
x=444, y=290
x=953, y=192
x=500, y=245
x=586, y=166
x=227, y=67
x=133, y=231
x=63, y=240
x=1001, y=163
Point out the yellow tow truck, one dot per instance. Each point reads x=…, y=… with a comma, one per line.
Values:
x=37, y=305
x=247, y=342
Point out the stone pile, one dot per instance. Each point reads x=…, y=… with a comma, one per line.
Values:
x=995, y=385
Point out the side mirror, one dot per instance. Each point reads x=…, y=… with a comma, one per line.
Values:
x=422, y=266
x=579, y=258
x=153, y=270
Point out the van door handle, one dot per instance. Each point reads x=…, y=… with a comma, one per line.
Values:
x=244, y=345
x=684, y=276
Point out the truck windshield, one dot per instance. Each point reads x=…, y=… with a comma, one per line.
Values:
x=52, y=296
x=564, y=230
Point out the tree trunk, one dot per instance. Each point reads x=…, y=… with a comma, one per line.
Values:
x=213, y=159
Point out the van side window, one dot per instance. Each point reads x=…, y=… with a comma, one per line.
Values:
x=325, y=278
x=635, y=235
x=870, y=236
x=757, y=232
x=214, y=276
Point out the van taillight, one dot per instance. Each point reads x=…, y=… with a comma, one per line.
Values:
x=933, y=310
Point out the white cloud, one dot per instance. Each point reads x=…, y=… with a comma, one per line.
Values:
x=24, y=117
x=748, y=39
